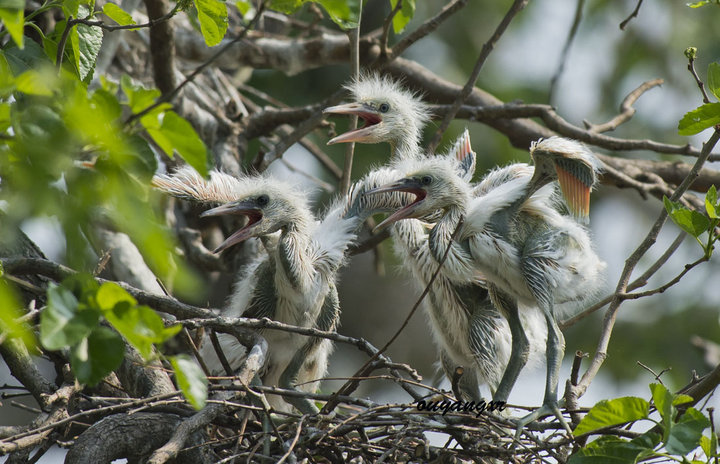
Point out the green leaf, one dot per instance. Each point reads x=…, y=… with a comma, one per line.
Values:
x=709, y=445
x=7, y=80
x=686, y=434
x=692, y=222
x=713, y=81
x=403, y=17
x=213, y=17
x=140, y=325
x=344, y=13
x=711, y=202
x=663, y=402
x=243, y=7
x=617, y=411
x=14, y=21
x=31, y=57
x=4, y=119
x=176, y=133
x=97, y=356
x=90, y=40
x=698, y=4
x=63, y=323
x=285, y=6
x=139, y=97
x=35, y=82
x=117, y=14
x=191, y=380
x=9, y=314
x=699, y=119
x=613, y=450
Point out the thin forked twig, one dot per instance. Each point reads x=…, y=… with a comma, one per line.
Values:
x=487, y=48
x=637, y=283
x=626, y=108
x=350, y=386
x=634, y=14
x=426, y=28
x=354, y=36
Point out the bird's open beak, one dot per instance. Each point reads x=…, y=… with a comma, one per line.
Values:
x=365, y=112
x=243, y=208
x=408, y=185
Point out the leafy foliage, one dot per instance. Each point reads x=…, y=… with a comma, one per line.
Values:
x=677, y=433
x=74, y=319
x=696, y=223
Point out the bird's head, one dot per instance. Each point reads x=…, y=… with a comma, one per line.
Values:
x=436, y=184
x=390, y=112
x=268, y=206
x=573, y=165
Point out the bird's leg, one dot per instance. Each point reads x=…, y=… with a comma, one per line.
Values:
x=520, y=345
x=314, y=350
x=554, y=351
x=289, y=378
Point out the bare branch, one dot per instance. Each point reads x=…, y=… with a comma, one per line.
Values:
x=162, y=44
x=634, y=14
x=626, y=109
x=426, y=28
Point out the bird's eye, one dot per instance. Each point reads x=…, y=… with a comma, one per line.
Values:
x=425, y=180
x=263, y=200
x=384, y=108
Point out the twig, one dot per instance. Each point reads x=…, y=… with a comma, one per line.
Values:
x=634, y=14
x=661, y=289
x=637, y=283
x=387, y=24
x=426, y=28
x=691, y=67
x=487, y=48
x=294, y=442
x=351, y=385
x=655, y=374
x=63, y=40
x=354, y=37
x=566, y=49
x=111, y=27
x=626, y=109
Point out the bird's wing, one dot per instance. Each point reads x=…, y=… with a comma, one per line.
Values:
x=482, y=208
x=187, y=184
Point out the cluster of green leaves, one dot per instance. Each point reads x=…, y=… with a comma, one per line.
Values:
x=73, y=320
x=346, y=13
x=65, y=151
x=696, y=223
x=673, y=436
x=707, y=115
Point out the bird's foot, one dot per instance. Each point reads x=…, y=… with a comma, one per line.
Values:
x=548, y=408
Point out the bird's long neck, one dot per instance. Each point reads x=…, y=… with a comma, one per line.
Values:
x=457, y=264
x=292, y=254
